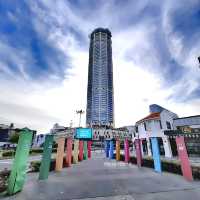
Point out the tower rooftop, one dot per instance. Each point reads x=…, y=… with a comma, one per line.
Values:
x=103, y=30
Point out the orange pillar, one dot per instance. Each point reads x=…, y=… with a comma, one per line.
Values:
x=60, y=153
x=117, y=150
x=75, y=151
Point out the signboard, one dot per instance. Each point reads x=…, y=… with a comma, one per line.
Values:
x=46, y=158
x=183, y=156
x=156, y=154
x=18, y=172
x=83, y=133
x=138, y=152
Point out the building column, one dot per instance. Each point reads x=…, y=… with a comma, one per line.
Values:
x=167, y=147
x=141, y=147
x=149, y=147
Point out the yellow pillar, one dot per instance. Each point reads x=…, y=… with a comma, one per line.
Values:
x=75, y=152
x=60, y=154
x=117, y=150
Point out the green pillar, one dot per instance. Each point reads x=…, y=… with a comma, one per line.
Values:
x=85, y=155
x=46, y=158
x=18, y=172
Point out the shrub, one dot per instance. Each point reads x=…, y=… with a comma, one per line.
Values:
x=35, y=166
x=39, y=150
x=8, y=153
x=3, y=180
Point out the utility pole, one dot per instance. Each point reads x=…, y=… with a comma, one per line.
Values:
x=80, y=112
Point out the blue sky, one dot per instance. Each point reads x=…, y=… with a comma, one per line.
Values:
x=44, y=58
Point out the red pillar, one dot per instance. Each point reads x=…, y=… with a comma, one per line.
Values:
x=89, y=149
x=69, y=152
x=126, y=149
x=80, y=150
x=183, y=156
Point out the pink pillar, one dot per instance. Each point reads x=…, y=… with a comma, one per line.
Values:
x=80, y=150
x=89, y=149
x=69, y=152
x=126, y=149
x=138, y=152
x=183, y=156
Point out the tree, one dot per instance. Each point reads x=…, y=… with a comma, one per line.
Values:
x=14, y=138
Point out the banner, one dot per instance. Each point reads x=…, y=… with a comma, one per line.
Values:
x=117, y=150
x=126, y=151
x=60, y=154
x=85, y=151
x=138, y=152
x=156, y=155
x=89, y=149
x=183, y=156
x=69, y=152
x=18, y=172
x=80, y=150
x=46, y=158
x=75, y=151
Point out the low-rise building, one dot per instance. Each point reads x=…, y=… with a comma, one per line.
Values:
x=154, y=125
x=189, y=127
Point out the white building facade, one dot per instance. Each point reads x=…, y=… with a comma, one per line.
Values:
x=154, y=125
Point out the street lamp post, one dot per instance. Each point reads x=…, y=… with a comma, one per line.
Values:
x=80, y=112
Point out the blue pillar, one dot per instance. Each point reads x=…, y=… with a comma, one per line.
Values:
x=111, y=152
x=107, y=148
x=156, y=155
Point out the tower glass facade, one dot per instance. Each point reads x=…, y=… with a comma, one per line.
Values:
x=100, y=100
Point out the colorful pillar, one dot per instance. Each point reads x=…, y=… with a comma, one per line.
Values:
x=60, y=153
x=46, y=158
x=18, y=171
x=126, y=151
x=80, y=150
x=75, y=152
x=69, y=152
x=107, y=147
x=89, y=149
x=111, y=150
x=138, y=152
x=183, y=156
x=156, y=155
x=85, y=155
x=117, y=150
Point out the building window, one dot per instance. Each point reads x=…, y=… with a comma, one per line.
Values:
x=160, y=124
x=168, y=125
x=145, y=127
x=136, y=129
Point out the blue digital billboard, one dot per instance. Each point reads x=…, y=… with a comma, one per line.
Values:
x=83, y=133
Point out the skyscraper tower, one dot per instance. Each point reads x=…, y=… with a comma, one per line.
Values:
x=100, y=102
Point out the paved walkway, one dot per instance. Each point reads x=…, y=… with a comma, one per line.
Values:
x=102, y=179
